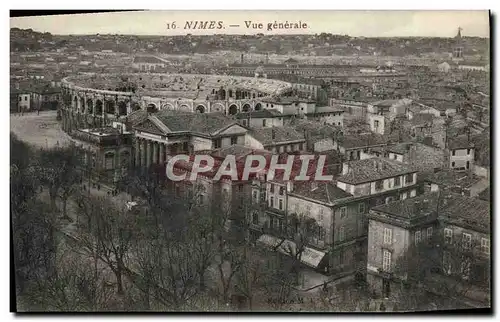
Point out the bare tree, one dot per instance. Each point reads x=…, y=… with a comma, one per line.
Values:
x=58, y=170
x=109, y=236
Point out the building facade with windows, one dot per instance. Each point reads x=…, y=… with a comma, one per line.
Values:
x=461, y=153
x=262, y=118
x=439, y=242
x=107, y=153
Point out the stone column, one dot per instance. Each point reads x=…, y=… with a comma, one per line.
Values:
x=103, y=106
x=162, y=153
x=143, y=153
x=148, y=153
x=129, y=105
x=155, y=152
x=137, y=152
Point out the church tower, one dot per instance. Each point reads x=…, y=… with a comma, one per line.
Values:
x=458, y=47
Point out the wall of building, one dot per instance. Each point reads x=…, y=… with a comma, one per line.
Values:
x=395, y=156
x=24, y=102
x=323, y=145
x=262, y=122
x=373, y=119
x=459, y=160
x=319, y=212
x=336, y=119
x=398, y=246
x=201, y=144
x=250, y=141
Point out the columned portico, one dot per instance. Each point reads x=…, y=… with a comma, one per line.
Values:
x=148, y=152
x=162, y=153
x=143, y=153
x=137, y=152
x=155, y=152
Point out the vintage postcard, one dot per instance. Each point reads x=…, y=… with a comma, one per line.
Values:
x=251, y=161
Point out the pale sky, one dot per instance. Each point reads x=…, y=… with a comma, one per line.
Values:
x=352, y=23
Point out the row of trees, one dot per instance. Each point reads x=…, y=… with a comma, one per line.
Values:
x=76, y=251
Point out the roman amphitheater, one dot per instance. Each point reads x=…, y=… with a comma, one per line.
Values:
x=93, y=99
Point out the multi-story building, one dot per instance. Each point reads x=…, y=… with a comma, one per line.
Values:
x=318, y=138
x=149, y=63
x=461, y=153
x=290, y=106
x=425, y=158
x=327, y=115
x=262, y=118
x=382, y=113
x=276, y=139
x=232, y=197
x=437, y=242
x=385, y=179
x=464, y=183
x=334, y=213
x=352, y=146
x=106, y=153
x=353, y=107
x=395, y=230
x=169, y=133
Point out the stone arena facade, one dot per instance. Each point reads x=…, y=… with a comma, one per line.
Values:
x=92, y=100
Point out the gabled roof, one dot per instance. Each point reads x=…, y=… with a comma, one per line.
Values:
x=137, y=116
x=205, y=123
x=373, y=169
x=149, y=126
x=291, y=61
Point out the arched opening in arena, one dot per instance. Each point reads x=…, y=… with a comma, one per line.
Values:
x=222, y=94
x=151, y=108
x=230, y=93
x=253, y=95
x=167, y=107
x=233, y=109
x=75, y=102
x=246, y=107
x=122, y=108
x=98, y=107
x=90, y=106
x=136, y=106
x=109, y=107
x=200, y=109
x=258, y=107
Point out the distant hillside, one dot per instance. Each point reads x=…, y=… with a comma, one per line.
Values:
x=323, y=44
x=28, y=39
